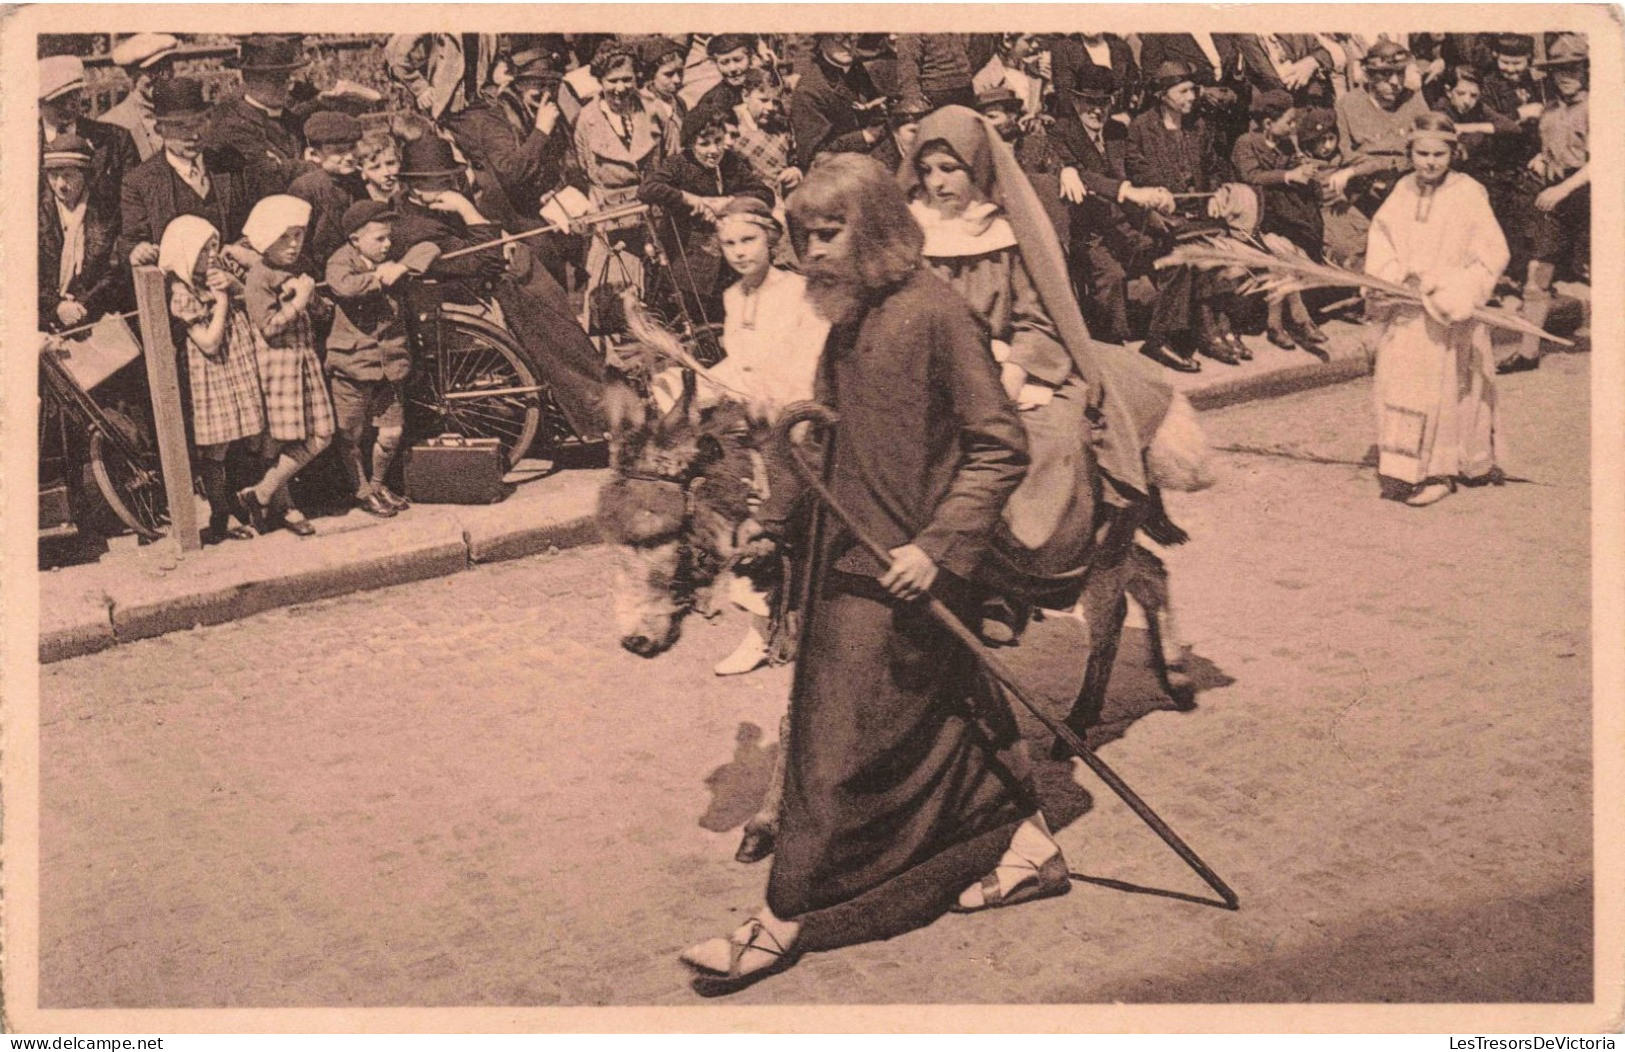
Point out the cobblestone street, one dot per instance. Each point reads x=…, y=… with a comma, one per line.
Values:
x=462, y=791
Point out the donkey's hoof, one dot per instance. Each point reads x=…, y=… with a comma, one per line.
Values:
x=1180, y=688
x=756, y=845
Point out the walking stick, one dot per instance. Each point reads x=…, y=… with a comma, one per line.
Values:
x=815, y=412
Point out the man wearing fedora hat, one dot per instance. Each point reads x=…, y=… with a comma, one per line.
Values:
x=183, y=178
x=62, y=112
x=1372, y=126
x=146, y=58
x=1072, y=53
x=80, y=272
x=435, y=208
x=260, y=125
x=516, y=133
x=1105, y=243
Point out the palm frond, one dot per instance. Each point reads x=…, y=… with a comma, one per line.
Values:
x=665, y=344
x=1275, y=272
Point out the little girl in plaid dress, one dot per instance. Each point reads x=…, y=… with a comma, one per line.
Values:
x=220, y=359
x=299, y=418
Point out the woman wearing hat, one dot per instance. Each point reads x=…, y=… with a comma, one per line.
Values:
x=1435, y=393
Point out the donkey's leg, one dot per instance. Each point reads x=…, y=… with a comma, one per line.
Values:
x=1105, y=606
x=762, y=830
x=1148, y=585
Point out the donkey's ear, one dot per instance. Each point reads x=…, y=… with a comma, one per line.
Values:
x=682, y=411
x=625, y=411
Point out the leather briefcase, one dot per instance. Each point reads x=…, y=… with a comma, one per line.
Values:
x=452, y=469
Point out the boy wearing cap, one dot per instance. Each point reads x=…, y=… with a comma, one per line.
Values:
x=80, y=272
x=146, y=58
x=332, y=185
x=368, y=357
x=62, y=112
x=732, y=53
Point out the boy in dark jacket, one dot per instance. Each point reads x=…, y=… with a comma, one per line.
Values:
x=332, y=185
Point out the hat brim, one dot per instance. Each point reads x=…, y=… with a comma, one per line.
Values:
x=437, y=174
x=267, y=67
x=77, y=85
x=1559, y=63
x=1090, y=95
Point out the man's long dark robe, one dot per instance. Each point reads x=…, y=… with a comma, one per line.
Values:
x=894, y=800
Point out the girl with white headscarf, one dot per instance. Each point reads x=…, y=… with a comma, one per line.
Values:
x=299, y=418
x=220, y=358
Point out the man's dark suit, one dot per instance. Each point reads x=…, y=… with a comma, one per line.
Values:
x=1106, y=246
x=153, y=194
x=1068, y=55
x=102, y=285
x=272, y=151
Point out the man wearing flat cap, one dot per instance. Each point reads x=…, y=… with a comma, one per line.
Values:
x=516, y=132
x=184, y=178
x=1105, y=241
x=145, y=58
x=331, y=185
x=62, y=112
x=261, y=126
x=1372, y=126
x=80, y=272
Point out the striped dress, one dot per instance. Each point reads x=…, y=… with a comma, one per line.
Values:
x=297, y=404
x=225, y=384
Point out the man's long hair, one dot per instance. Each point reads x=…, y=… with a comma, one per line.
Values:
x=884, y=241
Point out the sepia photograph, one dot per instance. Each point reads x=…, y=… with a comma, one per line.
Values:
x=790, y=518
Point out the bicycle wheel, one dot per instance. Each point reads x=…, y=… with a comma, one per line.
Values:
x=475, y=382
x=133, y=487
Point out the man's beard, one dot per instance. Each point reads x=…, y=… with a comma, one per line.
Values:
x=836, y=291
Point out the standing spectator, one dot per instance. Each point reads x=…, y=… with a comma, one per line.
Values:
x=331, y=186
x=259, y=125
x=1434, y=378
x=81, y=273
x=1014, y=66
x=1560, y=233
x=433, y=68
x=62, y=112
x=660, y=72
x=1169, y=146
x=619, y=141
x=934, y=67
x=733, y=54
x=1372, y=126
x=205, y=296
x=183, y=178
x=1107, y=245
x=764, y=133
x=693, y=189
x=515, y=134
x=378, y=156
x=836, y=107
x=1072, y=53
x=146, y=58
x=368, y=358
x=1268, y=160
x=298, y=411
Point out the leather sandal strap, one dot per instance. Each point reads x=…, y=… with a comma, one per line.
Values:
x=739, y=949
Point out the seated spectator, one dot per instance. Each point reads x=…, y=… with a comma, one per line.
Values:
x=692, y=189
x=1014, y=66
x=836, y=107
x=81, y=273
x=934, y=67
x=435, y=208
x=660, y=74
x=733, y=54
x=1268, y=160
x=1108, y=244
x=1372, y=126
x=515, y=133
x=1171, y=147
x=1491, y=149
x=1344, y=228
x=62, y=112
x=183, y=178
x=331, y=186
x=368, y=357
x=223, y=384
x=1029, y=140
x=145, y=58
x=1510, y=87
x=902, y=122
x=1560, y=230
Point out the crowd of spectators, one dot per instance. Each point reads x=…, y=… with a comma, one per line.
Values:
x=1132, y=144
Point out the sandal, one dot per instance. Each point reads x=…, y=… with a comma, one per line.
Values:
x=1048, y=880
x=1430, y=491
x=714, y=982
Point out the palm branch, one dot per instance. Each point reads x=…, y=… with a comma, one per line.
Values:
x=661, y=343
x=1279, y=268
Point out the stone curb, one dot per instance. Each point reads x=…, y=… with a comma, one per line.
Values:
x=106, y=621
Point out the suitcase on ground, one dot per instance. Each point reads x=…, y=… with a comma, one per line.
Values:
x=452, y=469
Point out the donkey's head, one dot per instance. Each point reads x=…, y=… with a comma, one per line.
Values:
x=680, y=483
